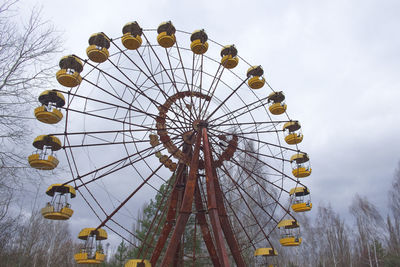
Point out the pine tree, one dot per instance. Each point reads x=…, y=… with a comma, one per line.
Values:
x=147, y=233
x=122, y=253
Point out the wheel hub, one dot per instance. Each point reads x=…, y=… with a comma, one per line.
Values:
x=199, y=124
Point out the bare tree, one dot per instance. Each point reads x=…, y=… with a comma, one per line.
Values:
x=26, y=58
x=333, y=238
x=370, y=229
x=25, y=66
x=393, y=225
x=39, y=242
x=26, y=53
x=394, y=196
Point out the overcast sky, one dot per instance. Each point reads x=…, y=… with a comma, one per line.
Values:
x=338, y=63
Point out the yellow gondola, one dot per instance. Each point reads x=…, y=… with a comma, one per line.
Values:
x=265, y=252
x=289, y=233
x=92, y=252
x=256, y=79
x=41, y=160
x=58, y=208
x=132, y=33
x=97, y=50
x=199, y=43
x=292, y=132
x=86, y=233
x=300, y=165
x=49, y=112
x=84, y=258
x=276, y=104
x=263, y=256
x=229, y=56
x=43, y=141
x=301, y=200
x=166, y=34
x=70, y=69
x=46, y=115
x=137, y=263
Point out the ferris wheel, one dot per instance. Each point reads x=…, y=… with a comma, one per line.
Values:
x=168, y=112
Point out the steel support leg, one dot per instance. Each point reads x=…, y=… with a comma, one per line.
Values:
x=171, y=215
x=212, y=202
x=186, y=208
x=201, y=218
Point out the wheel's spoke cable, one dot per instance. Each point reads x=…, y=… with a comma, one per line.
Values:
x=211, y=90
x=226, y=99
x=258, y=102
x=259, y=141
x=130, y=196
x=111, y=164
